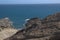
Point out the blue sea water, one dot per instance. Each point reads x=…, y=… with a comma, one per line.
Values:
x=19, y=12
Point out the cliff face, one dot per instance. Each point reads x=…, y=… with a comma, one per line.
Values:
x=6, y=28
x=38, y=29
x=7, y=32
x=5, y=23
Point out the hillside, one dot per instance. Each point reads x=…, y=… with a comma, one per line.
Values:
x=40, y=29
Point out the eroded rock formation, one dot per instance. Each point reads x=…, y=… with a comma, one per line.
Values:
x=38, y=29
x=6, y=28
x=5, y=23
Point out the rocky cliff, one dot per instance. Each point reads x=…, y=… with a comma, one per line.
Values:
x=6, y=28
x=5, y=23
x=40, y=29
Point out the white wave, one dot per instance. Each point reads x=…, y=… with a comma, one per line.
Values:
x=6, y=18
x=27, y=20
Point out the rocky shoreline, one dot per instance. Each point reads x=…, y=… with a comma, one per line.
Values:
x=38, y=29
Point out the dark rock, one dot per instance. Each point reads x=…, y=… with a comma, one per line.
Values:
x=56, y=36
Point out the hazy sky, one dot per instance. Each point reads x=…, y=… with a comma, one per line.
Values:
x=29, y=1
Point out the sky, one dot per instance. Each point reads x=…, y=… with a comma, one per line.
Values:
x=29, y=1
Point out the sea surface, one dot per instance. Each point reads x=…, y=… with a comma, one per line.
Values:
x=18, y=13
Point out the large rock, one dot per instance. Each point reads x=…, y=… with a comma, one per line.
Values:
x=5, y=23
x=38, y=29
x=7, y=33
x=6, y=28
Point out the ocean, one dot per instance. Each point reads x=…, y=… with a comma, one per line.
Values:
x=18, y=13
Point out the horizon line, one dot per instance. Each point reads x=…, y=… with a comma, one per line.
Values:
x=41, y=3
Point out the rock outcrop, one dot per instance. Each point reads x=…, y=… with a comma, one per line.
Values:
x=5, y=23
x=7, y=33
x=6, y=28
x=38, y=29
